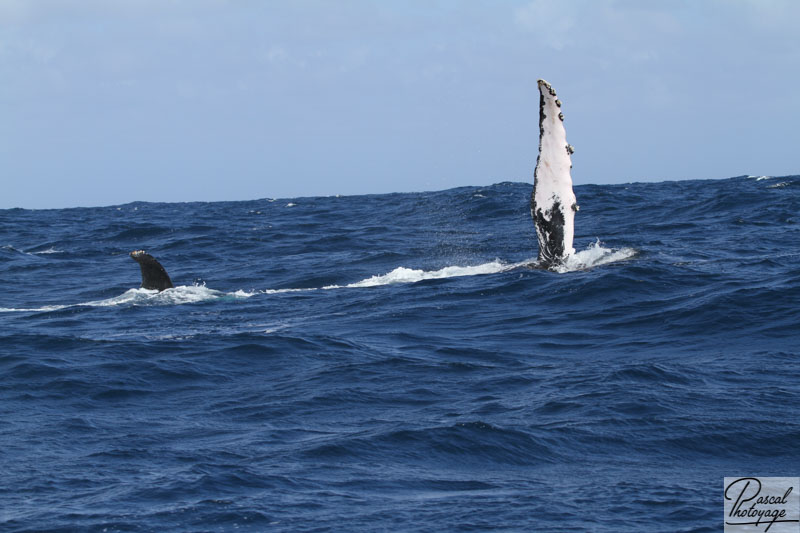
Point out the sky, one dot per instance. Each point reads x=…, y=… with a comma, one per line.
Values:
x=104, y=102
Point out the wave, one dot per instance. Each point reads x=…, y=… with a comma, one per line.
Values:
x=410, y=275
x=402, y=275
x=595, y=255
x=183, y=294
x=11, y=250
x=48, y=251
x=42, y=309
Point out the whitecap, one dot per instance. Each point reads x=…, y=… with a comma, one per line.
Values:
x=183, y=294
x=281, y=291
x=42, y=309
x=595, y=255
x=411, y=275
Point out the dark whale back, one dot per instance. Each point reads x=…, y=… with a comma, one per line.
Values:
x=153, y=274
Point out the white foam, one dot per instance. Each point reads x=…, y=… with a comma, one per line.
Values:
x=50, y=250
x=178, y=295
x=281, y=291
x=42, y=309
x=182, y=294
x=410, y=275
x=595, y=255
x=241, y=294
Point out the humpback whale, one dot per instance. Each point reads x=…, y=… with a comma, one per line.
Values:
x=153, y=274
x=553, y=204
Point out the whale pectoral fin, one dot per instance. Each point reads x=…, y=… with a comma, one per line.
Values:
x=154, y=276
x=553, y=204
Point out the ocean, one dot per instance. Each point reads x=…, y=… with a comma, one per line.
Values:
x=391, y=363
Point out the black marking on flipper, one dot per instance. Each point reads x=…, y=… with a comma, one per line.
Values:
x=551, y=232
x=154, y=276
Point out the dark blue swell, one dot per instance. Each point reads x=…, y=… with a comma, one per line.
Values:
x=612, y=399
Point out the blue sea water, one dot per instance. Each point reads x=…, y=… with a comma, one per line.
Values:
x=388, y=362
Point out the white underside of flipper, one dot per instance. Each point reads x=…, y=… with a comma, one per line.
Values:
x=553, y=203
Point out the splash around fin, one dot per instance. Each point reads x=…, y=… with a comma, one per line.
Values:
x=154, y=276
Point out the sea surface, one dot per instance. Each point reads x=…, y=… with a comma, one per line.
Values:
x=391, y=363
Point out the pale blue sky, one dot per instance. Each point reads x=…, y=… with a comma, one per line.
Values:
x=110, y=101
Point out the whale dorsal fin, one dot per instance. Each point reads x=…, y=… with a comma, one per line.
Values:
x=154, y=276
x=553, y=203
